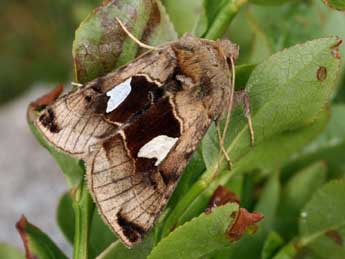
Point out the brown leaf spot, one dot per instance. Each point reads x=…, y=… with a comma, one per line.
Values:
x=244, y=221
x=335, y=236
x=47, y=99
x=21, y=225
x=220, y=197
x=335, y=49
x=321, y=74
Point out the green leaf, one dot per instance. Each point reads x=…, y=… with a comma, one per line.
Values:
x=100, y=43
x=325, y=212
x=83, y=207
x=9, y=252
x=296, y=193
x=37, y=244
x=336, y=4
x=65, y=216
x=321, y=226
x=216, y=18
x=330, y=147
x=287, y=79
x=267, y=156
x=100, y=235
x=273, y=242
x=199, y=237
x=243, y=73
x=118, y=250
x=72, y=168
x=270, y=2
x=183, y=14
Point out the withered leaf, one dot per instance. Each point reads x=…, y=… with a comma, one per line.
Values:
x=221, y=196
x=244, y=221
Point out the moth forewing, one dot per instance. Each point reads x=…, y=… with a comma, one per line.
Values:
x=143, y=122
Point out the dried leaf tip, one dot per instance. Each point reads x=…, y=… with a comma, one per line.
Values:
x=244, y=222
x=221, y=196
x=20, y=226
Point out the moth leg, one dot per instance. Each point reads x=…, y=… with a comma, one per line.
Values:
x=242, y=98
x=221, y=144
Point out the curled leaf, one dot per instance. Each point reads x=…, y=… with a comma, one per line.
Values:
x=244, y=221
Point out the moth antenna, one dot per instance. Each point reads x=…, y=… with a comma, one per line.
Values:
x=141, y=44
x=228, y=115
x=76, y=84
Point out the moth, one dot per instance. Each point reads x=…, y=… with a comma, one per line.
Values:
x=137, y=127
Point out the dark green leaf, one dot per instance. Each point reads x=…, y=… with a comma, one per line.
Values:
x=199, y=237
x=296, y=193
x=321, y=226
x=101, y=45
x=100, y=235
x=324, y=216
x=243, y=73
x=65, y=216
x=37, y=244
x=272, y=244
x=9, y=252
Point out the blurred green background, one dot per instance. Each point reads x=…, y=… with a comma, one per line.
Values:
x=36, y=35
x=35, y=42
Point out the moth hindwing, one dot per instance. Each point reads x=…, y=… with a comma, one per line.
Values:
x=137, y=127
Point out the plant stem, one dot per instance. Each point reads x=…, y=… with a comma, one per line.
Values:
x=224, y=18
x=83, y=210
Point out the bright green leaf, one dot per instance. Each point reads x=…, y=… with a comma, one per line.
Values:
x=37, y=244
x=9, y=252
x=199, y=237
x=100, y=43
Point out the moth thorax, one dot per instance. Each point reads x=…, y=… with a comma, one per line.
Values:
x=230, y=50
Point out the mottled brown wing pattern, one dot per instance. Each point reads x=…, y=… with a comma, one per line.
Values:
x=136, y=128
